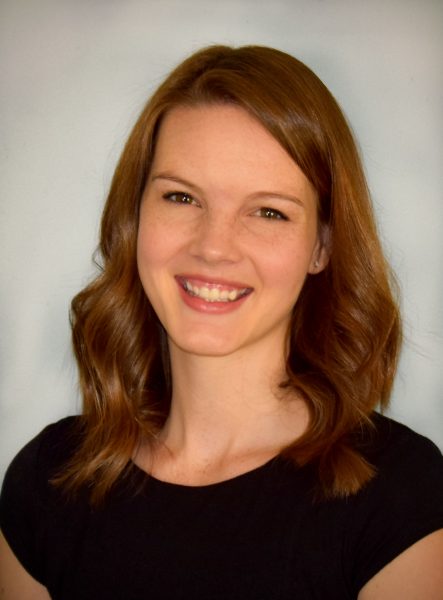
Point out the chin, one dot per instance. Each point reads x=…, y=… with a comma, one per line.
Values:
x=205, y=345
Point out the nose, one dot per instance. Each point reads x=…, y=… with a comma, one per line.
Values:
x=216, y=239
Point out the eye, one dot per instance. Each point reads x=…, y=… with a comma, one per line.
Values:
x=271, y=213
x=179, y=198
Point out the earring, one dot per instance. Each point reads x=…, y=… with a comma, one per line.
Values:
x=316, y=264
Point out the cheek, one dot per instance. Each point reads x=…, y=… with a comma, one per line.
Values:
x=153, y=243
x=145, y=246
x=150, y=257
x=285, y=266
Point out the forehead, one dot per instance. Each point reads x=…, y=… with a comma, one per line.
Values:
x=214, y=124
x=223, y=141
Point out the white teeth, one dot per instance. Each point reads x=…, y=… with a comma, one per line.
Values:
x=213, y=294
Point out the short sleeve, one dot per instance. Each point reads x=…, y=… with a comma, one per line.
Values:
x=25, y=496
x=400, y=506
x=19, y=506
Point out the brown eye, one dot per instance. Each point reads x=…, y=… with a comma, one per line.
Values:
x=179, y=198
x=272, y=213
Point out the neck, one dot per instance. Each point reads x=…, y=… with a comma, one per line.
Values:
x=230, y=407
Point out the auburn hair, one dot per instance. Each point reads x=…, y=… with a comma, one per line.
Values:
x=345, y=332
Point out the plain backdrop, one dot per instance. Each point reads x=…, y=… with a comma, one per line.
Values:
x=74, y=75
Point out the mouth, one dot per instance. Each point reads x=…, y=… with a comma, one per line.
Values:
x=213, y=291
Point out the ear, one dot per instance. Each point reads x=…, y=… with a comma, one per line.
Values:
x=321, y=253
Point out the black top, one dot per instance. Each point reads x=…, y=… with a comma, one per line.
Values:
x=257, y=536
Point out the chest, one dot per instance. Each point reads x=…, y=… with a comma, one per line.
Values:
x=209, y=543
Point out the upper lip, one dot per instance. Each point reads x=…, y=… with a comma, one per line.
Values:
x=203, y=281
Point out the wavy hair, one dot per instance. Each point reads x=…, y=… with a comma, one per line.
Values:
x=345, y=332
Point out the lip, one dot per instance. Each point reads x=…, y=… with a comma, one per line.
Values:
x=200, y=305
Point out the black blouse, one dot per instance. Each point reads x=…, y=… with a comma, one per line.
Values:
x=257, y=536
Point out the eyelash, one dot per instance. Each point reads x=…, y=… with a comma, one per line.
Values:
x=272, y=214
x=179, y=198
x=264, y=212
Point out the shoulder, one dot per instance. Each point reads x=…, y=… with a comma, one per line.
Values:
x=409, y=476
x=47, y=450
x=387, y=433
x=402, y=504
x=401, y=456
x=28, y=498
x=39, y=460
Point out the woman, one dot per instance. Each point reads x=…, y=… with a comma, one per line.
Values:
x=232, y=353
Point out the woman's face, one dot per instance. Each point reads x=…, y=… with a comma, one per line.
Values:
x=228, y=232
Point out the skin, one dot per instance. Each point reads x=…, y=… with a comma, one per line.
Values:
x=220, y=170
x=241, y=211
x=226, y=364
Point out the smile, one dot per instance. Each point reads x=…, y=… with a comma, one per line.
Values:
x=210, y=292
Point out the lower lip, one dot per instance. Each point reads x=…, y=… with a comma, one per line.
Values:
x=217, y=308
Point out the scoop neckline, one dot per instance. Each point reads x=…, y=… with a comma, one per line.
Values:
x=250, y=474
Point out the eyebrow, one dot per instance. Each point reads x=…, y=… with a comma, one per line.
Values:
x=179, y=180
x=255, y=195
x=279, y=196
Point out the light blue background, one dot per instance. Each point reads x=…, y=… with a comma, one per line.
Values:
x=74, y=76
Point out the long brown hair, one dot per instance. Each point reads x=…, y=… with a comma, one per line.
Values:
x=345, y=331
